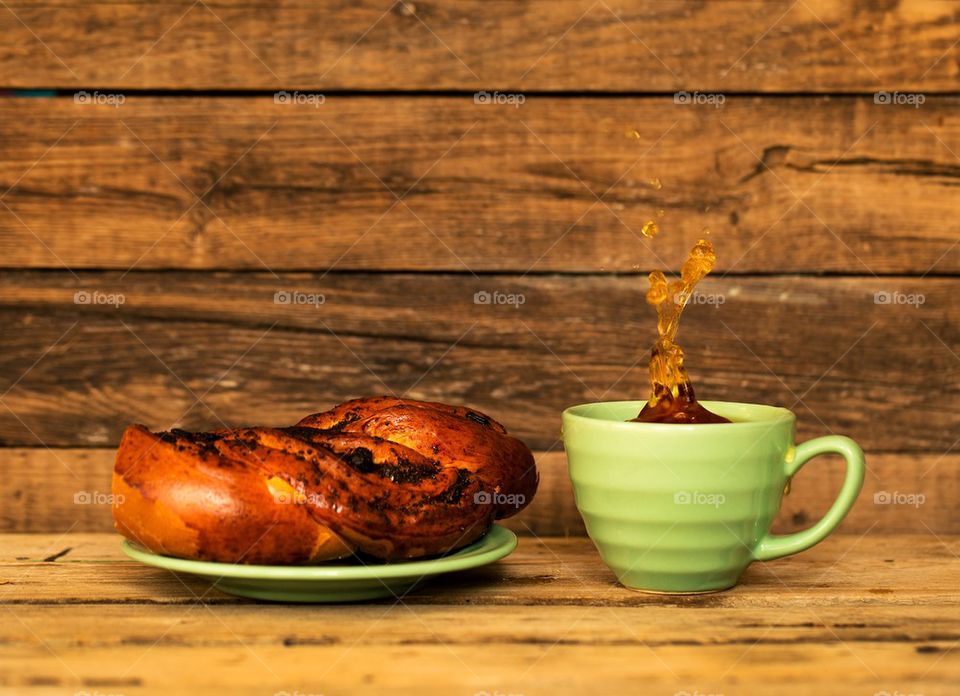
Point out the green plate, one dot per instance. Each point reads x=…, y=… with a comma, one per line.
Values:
x=331, y=583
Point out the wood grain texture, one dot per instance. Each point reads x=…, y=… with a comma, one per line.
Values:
x=56, y=491
x=200, y=350
x=913, y=570
x=442, y=183
x=63, y=626
x=625, y=45
x=521, y=669
x=860, y=613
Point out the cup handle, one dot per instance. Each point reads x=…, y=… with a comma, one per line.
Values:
x=777, y=546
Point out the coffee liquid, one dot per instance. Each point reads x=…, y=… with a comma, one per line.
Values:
x=671, y=394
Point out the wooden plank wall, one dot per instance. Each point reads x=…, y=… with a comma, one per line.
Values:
x=169, y=170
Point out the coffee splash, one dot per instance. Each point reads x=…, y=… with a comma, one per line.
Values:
x=672, y=399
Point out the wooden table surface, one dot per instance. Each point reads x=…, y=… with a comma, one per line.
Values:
x=859, y=614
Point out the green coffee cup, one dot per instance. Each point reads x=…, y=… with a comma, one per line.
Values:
x=686, y=508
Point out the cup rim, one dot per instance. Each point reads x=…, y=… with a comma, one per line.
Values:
x=776, y=415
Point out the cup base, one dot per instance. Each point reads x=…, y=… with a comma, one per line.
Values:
x=642, y=590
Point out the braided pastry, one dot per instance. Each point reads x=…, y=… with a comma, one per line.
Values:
x=389, y=478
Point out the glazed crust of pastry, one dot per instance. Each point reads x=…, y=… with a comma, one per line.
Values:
x=386, y=478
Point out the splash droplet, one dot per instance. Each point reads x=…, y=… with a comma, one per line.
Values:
x=672, y=399
x=656, y=184
x=649, y=229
